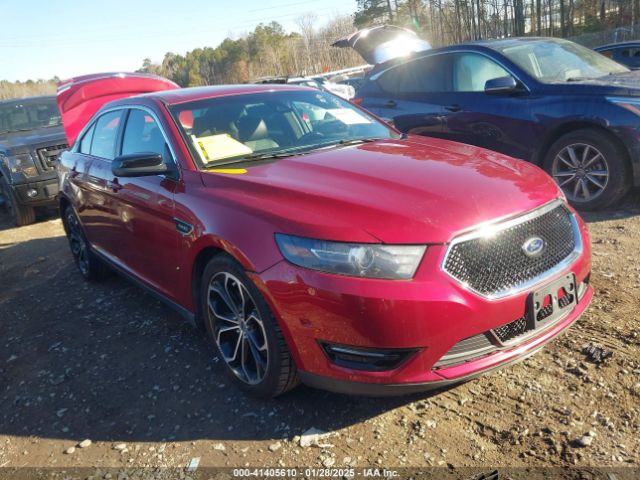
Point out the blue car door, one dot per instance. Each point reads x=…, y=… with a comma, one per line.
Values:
x=497, y=121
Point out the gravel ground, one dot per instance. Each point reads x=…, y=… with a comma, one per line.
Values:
x=108, y=364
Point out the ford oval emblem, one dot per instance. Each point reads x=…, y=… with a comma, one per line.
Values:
x=533, y=247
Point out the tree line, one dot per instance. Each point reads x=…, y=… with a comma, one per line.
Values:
x=271, y=51
x=266, y=51
x=27, y=89
x=444, y=22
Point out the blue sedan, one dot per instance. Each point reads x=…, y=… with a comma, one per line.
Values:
x=552, y=102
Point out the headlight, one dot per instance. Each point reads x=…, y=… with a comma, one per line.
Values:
x=21, y=163
x=397, y=262
x=628, y=103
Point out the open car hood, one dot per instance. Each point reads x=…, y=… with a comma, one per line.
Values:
x=79, y=98
x=379, y=44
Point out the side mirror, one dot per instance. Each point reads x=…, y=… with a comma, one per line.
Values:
x=501, y=85
x=138, y=165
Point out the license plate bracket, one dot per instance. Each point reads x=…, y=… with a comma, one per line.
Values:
x=552, y=302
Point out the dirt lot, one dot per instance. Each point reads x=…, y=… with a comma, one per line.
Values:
x=107, y=363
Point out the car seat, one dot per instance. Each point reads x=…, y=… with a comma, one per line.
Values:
x=253, y=132
x=214, y=122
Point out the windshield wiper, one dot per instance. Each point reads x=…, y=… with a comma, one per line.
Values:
x=262, y=156
x=291, y=152
x=253, y=157
x=355, y=141
x=347, y=142
x=577, y=79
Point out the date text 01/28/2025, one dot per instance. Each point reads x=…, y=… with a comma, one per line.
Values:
x=312, y=472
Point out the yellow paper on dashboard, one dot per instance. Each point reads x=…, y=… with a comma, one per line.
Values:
x=219, y=147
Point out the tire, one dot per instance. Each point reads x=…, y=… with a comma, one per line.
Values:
x=89, y=265
x=598, y=163
x=21, y=215
x=248, y=340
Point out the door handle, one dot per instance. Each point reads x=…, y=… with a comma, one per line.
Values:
x=453, y=108
x=114, y=185
x=391, y=104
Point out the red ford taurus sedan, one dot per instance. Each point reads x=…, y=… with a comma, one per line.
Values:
x=313, y=242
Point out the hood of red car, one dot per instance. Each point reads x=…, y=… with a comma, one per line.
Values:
x=417, y=190
x=79, y=98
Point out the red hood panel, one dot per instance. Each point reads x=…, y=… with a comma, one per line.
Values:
x=80, y=98
x=406, y=191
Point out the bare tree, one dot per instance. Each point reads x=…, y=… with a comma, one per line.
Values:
x=306, y=24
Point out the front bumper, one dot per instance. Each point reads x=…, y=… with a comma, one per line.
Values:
x=45, y=192
x=454, y=375
x=432, y=313
x=336, y=385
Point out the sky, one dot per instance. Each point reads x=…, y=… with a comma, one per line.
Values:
x=43, y=38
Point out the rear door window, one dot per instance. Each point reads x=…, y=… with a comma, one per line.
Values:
x=85, y=143
x=630, y=53
x=424, y=75
x=105, y=135
x=629, y=56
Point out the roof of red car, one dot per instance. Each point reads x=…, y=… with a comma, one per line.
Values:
x=182, y=95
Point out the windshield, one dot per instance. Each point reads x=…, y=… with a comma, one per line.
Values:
x=552, y=61
x=19, y=115
x=271, y=123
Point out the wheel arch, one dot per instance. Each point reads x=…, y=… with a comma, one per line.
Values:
x=63, y=203
x=568, y=127
x=204, y=254
x=200, y=261
x=204, y=249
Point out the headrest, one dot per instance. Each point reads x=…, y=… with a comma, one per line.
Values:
x=155, y=136
x=252, y=128
x=204, y=123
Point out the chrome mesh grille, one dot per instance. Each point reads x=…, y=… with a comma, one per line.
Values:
x=511, y=330
x=518, y=327
x=507, y=336
x=466, y=350
x=564, y=301
x=498, y=263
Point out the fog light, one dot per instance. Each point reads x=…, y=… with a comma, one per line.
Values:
x=372, y=359
x=32, y=193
